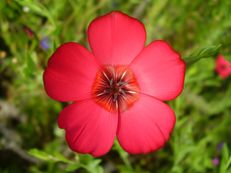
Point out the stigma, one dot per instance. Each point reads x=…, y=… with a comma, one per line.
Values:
x=115, y=88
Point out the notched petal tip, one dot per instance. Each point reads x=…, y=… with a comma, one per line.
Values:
x=115, y=14
x=95, y=153
x=180, y=62
x=89, y=128
x=146, y=130
x=159, y=146
x=65, y=77
x=116, y=38
x=164, y=44
x=163, y=71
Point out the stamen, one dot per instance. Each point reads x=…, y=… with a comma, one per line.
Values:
x=123, y=93
x=106, y=76
x=100, y=94
x=117, y=105
x=131, y=92
x=111, y=82
x=122, y=83
x=115, y=87
x=115, y=96
x=123, y=75
x=104, y=92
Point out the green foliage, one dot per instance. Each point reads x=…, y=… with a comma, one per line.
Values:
x=207, y=52
x=56, y=157
x=86, y=162
x=30, y=140
x=225, y=161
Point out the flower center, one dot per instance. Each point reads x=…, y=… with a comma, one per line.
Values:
x=115, y=88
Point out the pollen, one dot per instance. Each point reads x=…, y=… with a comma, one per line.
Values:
x=115, y=88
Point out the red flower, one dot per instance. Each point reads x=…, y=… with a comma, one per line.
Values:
x=117, y=89
x=223, y=67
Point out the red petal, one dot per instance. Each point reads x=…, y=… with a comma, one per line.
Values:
x=223, y=67
x=146, y=126
x=159, y=71
x=70, y=73
x=89, y=128
x=116, y=38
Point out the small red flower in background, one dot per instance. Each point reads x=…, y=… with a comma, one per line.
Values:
x=28, y=31
x=223, y=67
x=117, y=89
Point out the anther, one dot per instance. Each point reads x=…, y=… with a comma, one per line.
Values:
x=131, y=92
x=111, y=82
x=115, y=87
x=123, y=75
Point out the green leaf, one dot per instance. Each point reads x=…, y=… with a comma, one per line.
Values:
x=225, y=159
x=228, y=163
x=72, y=167
x=124, y=155
x=42, y=155
x=206, y=52
x=94, y=166
x=38, y=8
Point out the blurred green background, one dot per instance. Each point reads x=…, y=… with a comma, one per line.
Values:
x=30, y=140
